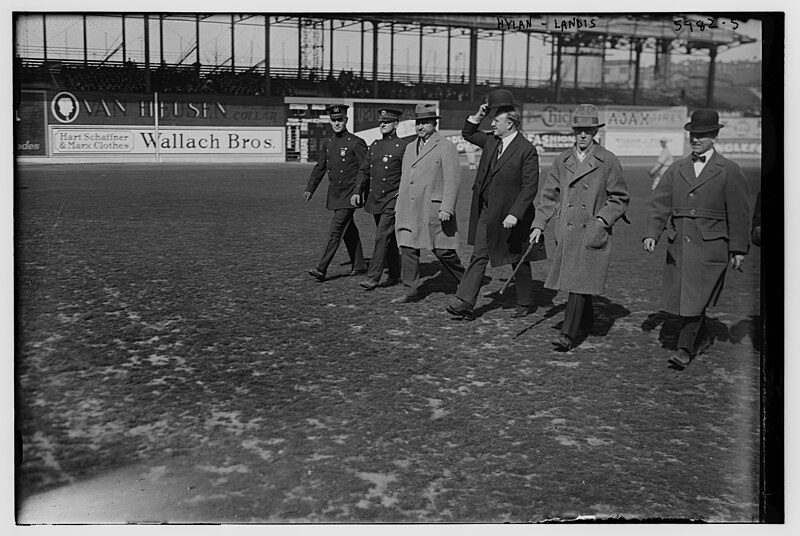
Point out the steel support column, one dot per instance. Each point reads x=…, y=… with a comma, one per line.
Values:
x=637, y=62
x=420, y=52
x=267, y=74
x=712, y=69
x=502, y=54
x=148, y=86
x=558, y=69
x=85, y=42
x=375, y=59
x=448, y=54
x=473, y=61
x=391, y=52
x=527, y=58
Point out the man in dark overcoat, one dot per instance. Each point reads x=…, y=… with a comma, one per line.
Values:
x=343, y=156
x=703, y=204
x=584, y=194
x=379, y=187
x=502, y=204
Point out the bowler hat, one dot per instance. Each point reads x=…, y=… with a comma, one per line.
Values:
x=500, y=98
x=586, y=115
x=426, y=111
x=389, y=114
x=703, y=120
x=337, y=111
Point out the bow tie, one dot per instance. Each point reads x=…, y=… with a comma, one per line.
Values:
x=698, y=158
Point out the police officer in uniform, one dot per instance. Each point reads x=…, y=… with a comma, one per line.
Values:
x=379, y=187
x=343, y=157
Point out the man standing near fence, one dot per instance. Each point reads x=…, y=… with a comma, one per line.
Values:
x=343, y=156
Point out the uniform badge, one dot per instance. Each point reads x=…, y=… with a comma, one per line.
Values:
x=343, y=151
x=385, y=158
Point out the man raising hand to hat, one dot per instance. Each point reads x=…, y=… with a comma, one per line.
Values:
x=703, y=204
x=502, y=204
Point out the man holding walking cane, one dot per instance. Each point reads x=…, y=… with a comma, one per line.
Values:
x=502, y=204
x=584, y=194
x=703, y=204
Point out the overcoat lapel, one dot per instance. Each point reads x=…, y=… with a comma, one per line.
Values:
x=710, y=170
x=433, y=141
x=589, y=164
x=686, y=170
x=506, y=156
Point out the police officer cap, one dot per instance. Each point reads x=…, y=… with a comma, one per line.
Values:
x=389, y=114
x=337, y=111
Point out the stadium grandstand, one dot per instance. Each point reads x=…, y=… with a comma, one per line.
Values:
x=574, y=67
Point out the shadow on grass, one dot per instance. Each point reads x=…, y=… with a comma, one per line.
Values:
x=670, y=326
x=606, y=313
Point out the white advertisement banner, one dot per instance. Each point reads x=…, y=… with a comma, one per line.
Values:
x=644, y=143
x=170, y=141
x=740, y=128
x=632, y=117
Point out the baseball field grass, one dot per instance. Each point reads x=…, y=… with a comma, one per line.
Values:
x=171, y=347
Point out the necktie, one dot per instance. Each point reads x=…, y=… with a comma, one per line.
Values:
x=698, y=158
x=499, y=151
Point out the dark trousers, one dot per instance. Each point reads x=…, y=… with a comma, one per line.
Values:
x=410, y=266
x=579, y=315
x=386, y=254
x=343, y=226
x=471, y=282
x=693, y=332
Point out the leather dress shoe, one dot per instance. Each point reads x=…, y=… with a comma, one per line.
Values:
x=462, y=310
x=392, y=281
x=564, y=343
x=680, y=358
x=358, y=272
x=317, y=274
x=407, y=298
x=369, y=284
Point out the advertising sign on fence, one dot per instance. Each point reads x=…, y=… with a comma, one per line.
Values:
x=260, y=144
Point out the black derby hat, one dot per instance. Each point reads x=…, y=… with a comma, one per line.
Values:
x=703, y=120
x=500, y=99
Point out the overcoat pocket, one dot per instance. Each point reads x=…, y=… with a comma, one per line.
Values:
x=596, y=235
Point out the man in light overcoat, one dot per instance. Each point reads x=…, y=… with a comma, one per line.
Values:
x=584, y=195
x=426, y=202
x=703, y=204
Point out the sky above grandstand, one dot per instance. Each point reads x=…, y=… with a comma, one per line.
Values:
x=104, y=37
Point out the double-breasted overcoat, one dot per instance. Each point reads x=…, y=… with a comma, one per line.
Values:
x=507, y=185
x=429, y=183
x=343, y=157
x=706, y=218
x=573, y=195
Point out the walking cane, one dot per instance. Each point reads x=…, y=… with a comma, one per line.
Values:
x=525, y=256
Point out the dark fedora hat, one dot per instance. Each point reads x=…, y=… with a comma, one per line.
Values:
x=586, y=115
x=703, y=120
x=426, y=111
x=500, y=99
x=389, y=113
